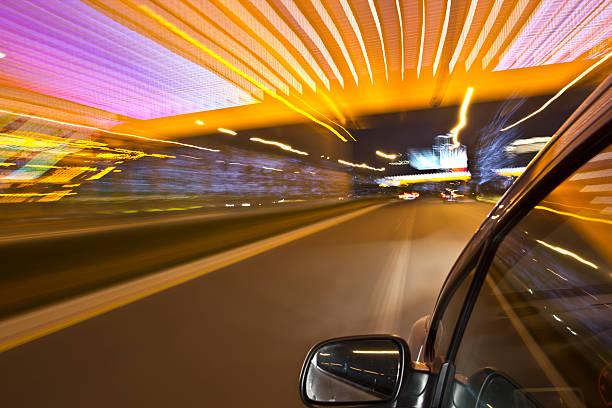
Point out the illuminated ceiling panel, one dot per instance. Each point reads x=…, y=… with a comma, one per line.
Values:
x=68, y=50
x=559, y=31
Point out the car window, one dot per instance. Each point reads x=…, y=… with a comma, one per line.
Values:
x=540, y=333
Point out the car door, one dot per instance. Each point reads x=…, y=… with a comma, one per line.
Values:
x=539, y=332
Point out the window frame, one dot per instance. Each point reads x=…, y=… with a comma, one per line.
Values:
x=574, y=144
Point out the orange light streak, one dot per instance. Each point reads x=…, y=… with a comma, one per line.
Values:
x=462, y=118
x=278, y=144
x=362, y=165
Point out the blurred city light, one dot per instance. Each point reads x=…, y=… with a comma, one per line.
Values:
x=386, y=156
x=278, y=144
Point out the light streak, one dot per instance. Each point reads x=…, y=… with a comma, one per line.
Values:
x=329, y=23
x=511, y=172
x=252, y=80
x=401, y=26
x=561, y=91
x=313, y=35
x=442, y=36
x=101, y=174
x=422, y=41
x=385, y=155
x=505, y=31
x=421, y=178
x=238, y=9
x=2, y=55
x=270, y=168
x=199, y=122
x=568, y=253
x=376, y=351
x=278, y=144
x=464, y=32
x=484, y=33
x=353, y=22
x=462, y=118
x=362, y=165
x=380, y=36
x=569, y=214
x=106, y=131
x=229, y=132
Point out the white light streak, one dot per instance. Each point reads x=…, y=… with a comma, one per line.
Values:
x=561, y=91
x=380, y=36
x=353, y=22
x=305, y=25
x=278, y=144
x=422, y=41
x=329, y=23
x=484, y=33
x=362, y=165
x=229, y=132
x=442, y=36
x=401, y=26
x=464, y=32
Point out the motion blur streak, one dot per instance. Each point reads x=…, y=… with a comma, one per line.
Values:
x=401, y=26
x=229, y=132
x=353, y=22
x=464, y=32
x=442, y=36
x=420, y=62
x=569, y=214
x=568, y=253
x=362, y=165
x=380, y=36
x=484, y=33
x=385, y=155
x=59, y=122
x=561, y=91
x=252, y=80
x=462, y=118
x=278, y=144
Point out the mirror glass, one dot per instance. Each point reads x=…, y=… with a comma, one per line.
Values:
x=357, y=370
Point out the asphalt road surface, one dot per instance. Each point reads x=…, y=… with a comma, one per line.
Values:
x=236, y=337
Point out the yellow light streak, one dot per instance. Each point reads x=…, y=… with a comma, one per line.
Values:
x=401, y=26
x=61, y=122
x=376, y=351
x=561, y=91
x=220, y=59
x=438, y=178
x=362, y=165
x=101, y=174
x=484, y=33
x=511, y=173
x=380, y=36
x=199, y=122
x=386, y=156
x=229, y=132
x=462, y=117
x=353, y=22
x=464, y=32
x=278, y=144
x=569, y=214
x=442, y=36
x=568, y=253
x=420, y=62
x=7, y=164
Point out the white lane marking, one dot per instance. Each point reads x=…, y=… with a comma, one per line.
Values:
x=592, y=174
x=596, y=188
x=602, y=200
x=32, y=325
x=389, y=293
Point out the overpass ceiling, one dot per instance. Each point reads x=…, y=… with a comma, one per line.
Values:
x=155, y=64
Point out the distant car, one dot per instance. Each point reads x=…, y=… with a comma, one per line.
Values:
x=524, y=318
x=451, y=196
x=409, y=196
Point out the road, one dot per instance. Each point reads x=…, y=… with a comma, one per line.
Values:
x=236, y=337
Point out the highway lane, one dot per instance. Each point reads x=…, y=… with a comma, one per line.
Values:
x=237, y=336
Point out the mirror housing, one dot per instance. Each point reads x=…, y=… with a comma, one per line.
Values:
x=356, y=371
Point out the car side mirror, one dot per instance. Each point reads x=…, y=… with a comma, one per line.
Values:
x=357, y=371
